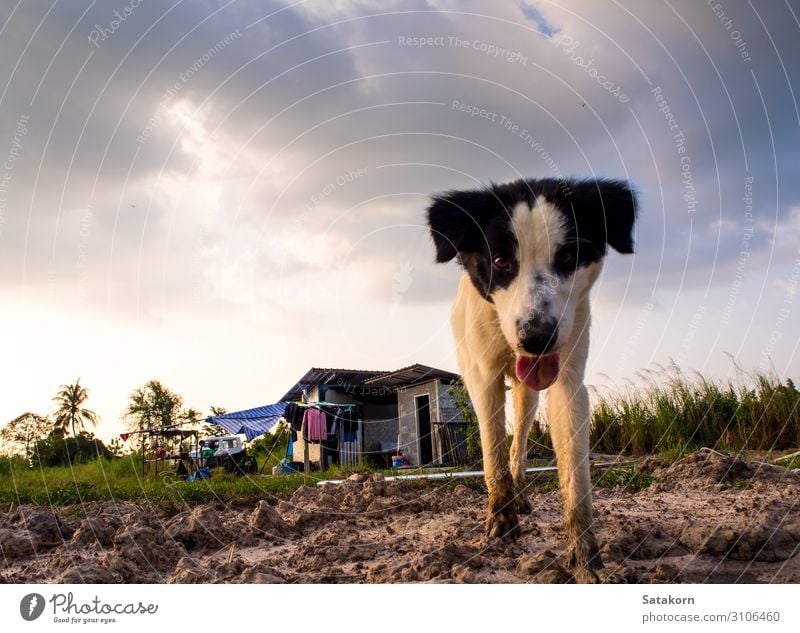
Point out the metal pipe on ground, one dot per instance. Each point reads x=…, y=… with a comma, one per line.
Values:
x=789, y=456
x=474, y=473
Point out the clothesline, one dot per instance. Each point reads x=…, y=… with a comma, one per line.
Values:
x=325, y=404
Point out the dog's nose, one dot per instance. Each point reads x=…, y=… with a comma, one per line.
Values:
x=539, y=340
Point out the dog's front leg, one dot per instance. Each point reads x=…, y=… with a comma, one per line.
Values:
x=568, y=409
x=525, y=402
x=488, y=396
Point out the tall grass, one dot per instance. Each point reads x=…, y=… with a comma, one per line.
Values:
x=675, y=413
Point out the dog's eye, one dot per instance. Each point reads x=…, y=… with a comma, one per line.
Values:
x=565, y=257
x=502, y=263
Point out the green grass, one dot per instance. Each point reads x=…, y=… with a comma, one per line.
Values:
x=791, y=463
x=740, y=484
x=631, y=479
x=675, y=414
x=121, y=479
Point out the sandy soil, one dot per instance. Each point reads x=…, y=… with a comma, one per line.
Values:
x=708, y=519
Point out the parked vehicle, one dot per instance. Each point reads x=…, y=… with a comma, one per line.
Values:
x=226, y=452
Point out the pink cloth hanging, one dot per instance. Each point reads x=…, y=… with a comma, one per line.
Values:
x=316, y=425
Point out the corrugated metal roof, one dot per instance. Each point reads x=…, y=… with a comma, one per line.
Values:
x=327, y=375
x=405, y=376
x=410, y=375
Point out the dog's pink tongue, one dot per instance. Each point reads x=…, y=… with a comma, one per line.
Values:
x=538, y=372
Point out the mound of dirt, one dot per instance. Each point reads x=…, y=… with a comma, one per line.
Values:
x=198, y=528
x=266, y=520
x=543, y=567
x=640, y=542
x=709, y=518
x=759, y=542
x=711, y=469
x=31, y=530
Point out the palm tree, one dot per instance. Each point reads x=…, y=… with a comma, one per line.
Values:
x=69, y=411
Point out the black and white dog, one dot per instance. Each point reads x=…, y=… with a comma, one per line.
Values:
x=531, y=251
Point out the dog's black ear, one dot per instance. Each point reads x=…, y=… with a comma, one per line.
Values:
x=456, y=219
x=612, y=202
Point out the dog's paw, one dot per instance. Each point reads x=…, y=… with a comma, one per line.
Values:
x=611, y=576
x=502, y=525
x=584, y=561
x=585, y=576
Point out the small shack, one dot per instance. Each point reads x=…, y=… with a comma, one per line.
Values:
x=410, y=409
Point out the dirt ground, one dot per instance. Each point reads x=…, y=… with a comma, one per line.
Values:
x=707, y=519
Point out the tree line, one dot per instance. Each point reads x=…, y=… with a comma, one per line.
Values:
x=65, y=434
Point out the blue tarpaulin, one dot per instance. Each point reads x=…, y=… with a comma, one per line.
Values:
x=250, y=422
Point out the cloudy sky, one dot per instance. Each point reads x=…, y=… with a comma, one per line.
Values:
x=222, y=195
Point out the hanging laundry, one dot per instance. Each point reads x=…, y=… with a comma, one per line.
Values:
x=305, y=426
x=349, y=421
x=333, y=426
x=332, y=422
x=294, y=416
x=316, y=428
x=331, y=451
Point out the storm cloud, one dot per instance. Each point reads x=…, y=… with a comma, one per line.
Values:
x=224, y=194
